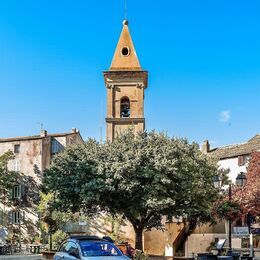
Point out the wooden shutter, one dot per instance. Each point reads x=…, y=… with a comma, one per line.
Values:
x=10, y=217
x=23, y=190
x=21, y=217
x=241, y=160
x=1, y=217
x=10, y=194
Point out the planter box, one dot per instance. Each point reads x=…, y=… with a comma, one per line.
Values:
x=48, y=254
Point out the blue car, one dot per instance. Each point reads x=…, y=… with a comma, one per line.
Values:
x=89, y=247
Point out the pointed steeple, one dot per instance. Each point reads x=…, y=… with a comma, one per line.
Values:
x=125, y=57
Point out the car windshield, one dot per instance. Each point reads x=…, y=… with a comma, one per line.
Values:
x=99, y=248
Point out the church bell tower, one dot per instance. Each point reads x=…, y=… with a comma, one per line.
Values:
x=125, y=83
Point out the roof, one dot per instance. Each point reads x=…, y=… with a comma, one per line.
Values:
x=125, y=57
x=37, y=137
x=235, y=150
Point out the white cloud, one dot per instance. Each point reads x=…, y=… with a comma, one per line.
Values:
x=224, y=116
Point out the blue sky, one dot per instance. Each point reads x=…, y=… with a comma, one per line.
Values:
x=203, y=59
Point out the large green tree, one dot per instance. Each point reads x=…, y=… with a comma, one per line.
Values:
x=142, y=177
x=7, y=178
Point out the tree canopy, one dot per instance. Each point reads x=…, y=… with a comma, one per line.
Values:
x=143, y=177
x=248, y=196
x=7, y=177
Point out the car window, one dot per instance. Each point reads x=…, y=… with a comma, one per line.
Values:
x=63, y=247
x=97, y=248
x=72, y=248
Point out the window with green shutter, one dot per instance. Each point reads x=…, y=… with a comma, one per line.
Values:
x=16, y=217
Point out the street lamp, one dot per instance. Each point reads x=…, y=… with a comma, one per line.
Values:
x=240, y=182
x=241, y=179
x=216, y=182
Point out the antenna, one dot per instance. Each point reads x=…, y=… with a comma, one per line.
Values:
x=41, y=126
x=125, y=9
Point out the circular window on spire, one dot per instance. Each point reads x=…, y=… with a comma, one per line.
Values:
x=125, y=51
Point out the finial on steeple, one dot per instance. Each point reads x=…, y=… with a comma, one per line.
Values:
x=125, y=22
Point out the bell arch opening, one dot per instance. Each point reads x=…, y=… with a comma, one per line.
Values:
x=125, y=107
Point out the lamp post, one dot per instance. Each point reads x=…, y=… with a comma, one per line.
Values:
x=217, y=184
x=240, y=182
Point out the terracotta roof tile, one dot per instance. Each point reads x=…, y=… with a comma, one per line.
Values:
x=238, y=149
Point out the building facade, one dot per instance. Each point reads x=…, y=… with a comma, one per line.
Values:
x=32, y=155
x=235, y=158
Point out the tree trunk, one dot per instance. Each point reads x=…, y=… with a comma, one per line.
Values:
x=139, y=239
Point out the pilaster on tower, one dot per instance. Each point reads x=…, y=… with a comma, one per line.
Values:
x=125, y=82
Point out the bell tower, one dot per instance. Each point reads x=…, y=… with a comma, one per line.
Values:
x=125, y=83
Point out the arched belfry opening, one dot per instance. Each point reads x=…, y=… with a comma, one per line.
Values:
x=125, y=107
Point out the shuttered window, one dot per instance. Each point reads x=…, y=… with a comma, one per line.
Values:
x=241, y=160
x=16, y=217
x=16, y=165
x=17, y=192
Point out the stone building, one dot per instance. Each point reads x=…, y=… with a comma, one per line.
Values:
x=32, y=154
x=235, y=158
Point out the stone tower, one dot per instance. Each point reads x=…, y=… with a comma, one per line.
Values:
x=125, y=83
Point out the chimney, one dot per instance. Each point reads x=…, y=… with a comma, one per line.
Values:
x=74, y=130
x=205, y=147
x=43, y=133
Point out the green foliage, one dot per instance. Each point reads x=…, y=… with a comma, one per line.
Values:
x=57, y=238
x=115, y=222
x=228, y=210
x=7, y=178
x=140, y=177
x=140, y=255
x=54, y=219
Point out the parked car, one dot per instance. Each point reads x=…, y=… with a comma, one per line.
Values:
x=89, y=247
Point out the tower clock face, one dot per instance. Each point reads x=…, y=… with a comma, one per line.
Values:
x=125, y=51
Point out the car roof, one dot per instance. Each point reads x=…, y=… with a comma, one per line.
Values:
x=90, y=238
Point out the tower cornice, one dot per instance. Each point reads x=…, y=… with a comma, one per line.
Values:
x=123, y=76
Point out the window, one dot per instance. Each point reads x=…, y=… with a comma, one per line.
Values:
x=72, y=249
x=125, y=51
x=17, y=192
x=90, y=248
x=241, y=160
x=56, y=146
x=125, y=107
x=16, y=165
x=17, y=148
x=63, y=247
x=16, y=217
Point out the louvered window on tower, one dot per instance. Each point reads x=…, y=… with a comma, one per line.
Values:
x=125, y=107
